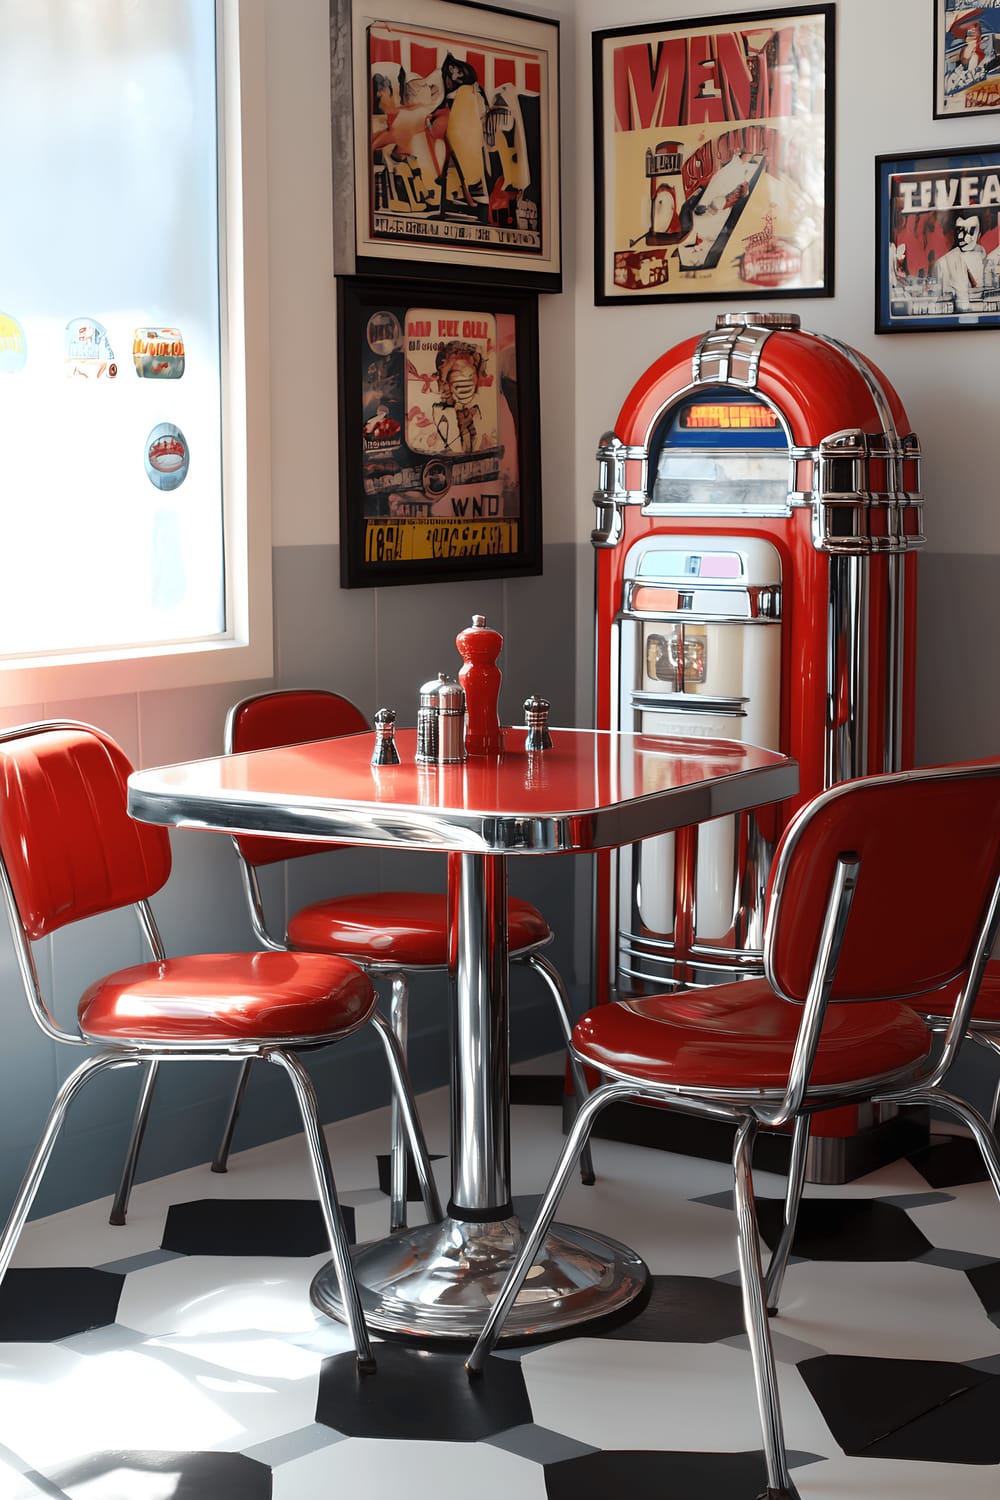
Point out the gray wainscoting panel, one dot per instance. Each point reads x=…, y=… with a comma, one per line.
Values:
x=958, y=705
x=958, y=656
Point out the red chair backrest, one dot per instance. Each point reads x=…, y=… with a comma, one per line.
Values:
x=70, y=848
x=294, y=716
x=929, y=846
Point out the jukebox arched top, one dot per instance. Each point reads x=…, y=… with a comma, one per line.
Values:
x=783, y=418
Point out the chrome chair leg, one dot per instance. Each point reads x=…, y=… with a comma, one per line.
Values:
x=548, y=972
x=329, y=1203
x=755, y=1317
x=220, y=1162
x=40, y=1160
x=994, y=1113
x=410, y=1120
x=977, y=1124
x=120, y=1206
x=532, y=1241
x=793, y=1197
x=399, y=1001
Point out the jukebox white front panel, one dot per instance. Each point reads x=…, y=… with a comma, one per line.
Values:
x=700, y=641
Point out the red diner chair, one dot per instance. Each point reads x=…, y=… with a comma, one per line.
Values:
x=885, y=892
x=983, y=1026
x=390, y=934
x=70, y=851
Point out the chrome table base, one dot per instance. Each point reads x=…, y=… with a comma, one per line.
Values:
x=438, y=1281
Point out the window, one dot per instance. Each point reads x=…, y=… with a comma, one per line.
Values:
x=135, y=519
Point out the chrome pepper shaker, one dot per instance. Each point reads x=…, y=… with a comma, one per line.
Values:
x=427, y=723
x=536, y=717
x=451, y=721
x=385, y=752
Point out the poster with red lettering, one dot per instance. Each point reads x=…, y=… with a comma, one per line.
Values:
x=439, y=472
x=714, y=157
x=937, y=236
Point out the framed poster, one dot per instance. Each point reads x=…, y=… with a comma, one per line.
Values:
x=937, y=240
x=439, y=443
x=714, y=157
x=966, y=58
x=445, y=119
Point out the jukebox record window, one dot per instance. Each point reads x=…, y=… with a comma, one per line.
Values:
x=723, y=451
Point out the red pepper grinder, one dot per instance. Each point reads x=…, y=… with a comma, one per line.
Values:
x=480, y=677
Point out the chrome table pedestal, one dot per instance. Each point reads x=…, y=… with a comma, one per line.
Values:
x=438, y=1281
x=591, y=790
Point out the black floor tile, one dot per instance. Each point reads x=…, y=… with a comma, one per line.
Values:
x=949, y=1161
x=657, y=1476
x=845, y=1229
x=421, y=1394
x=182, y=1476
x=537, y=1088
x=933, y=1411
x=985, y=1281
x=250, y=1226
x=412, y=1180
x=684, y=1310
x=45, y=1303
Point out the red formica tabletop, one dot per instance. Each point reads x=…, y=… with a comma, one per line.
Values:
x=594, y=789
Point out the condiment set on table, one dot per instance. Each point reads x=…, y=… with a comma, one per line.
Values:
x=459, y=719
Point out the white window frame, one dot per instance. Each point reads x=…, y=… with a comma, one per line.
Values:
x=246, y=652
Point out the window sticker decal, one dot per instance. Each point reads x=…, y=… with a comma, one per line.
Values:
x=88, y=350
x=158, y=353
x=13, y=345
x=167, y=457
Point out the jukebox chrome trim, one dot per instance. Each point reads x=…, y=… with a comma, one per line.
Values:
x=847, y=677
x=762, y=601
x=612, y=491
x=730, y=353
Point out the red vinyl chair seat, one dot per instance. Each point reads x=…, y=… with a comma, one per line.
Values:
x=986, y=1009
x=228, y=997
x=883, y=899
x=408, y=928
x=739, y=1037
x=70, y=851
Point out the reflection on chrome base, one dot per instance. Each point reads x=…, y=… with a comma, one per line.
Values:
x=439, y=1280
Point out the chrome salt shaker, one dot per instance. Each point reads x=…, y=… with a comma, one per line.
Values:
x=427, y=723
x=451, y=721
x=441, y=721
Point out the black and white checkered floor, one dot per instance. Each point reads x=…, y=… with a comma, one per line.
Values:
x=180, y=1358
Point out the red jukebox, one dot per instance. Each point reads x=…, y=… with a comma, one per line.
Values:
x=758, y=516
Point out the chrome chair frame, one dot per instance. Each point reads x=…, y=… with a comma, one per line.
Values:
x=399, y=999
x=919, y=1084
x=531, y=957
x=105, y=1055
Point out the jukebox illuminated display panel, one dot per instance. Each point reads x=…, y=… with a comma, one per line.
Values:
x=758, y=518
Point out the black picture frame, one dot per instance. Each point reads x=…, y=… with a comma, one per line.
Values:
x=714, y=157
x=445, y=129
x=931, y=273
x=440, y=468
x=966, y=59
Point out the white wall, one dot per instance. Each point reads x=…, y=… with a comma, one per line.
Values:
x=949, y=382
x=590, y=356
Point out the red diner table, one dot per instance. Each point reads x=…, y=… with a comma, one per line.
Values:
x=592, y=790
